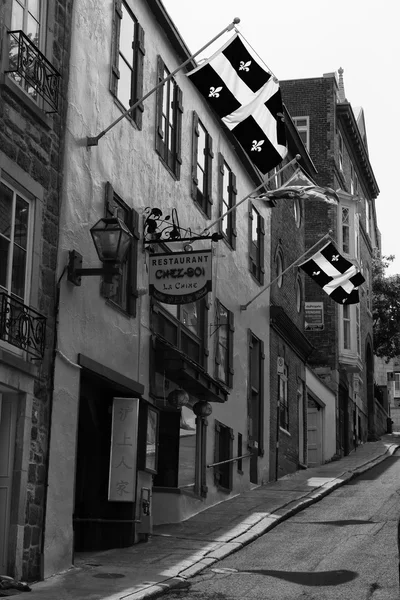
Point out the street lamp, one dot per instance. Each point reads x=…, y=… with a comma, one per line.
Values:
x=112, y=239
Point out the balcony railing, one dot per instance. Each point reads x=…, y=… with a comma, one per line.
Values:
x=22, y=326
x=37, y=75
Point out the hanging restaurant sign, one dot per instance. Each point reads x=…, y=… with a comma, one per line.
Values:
x=180, y=277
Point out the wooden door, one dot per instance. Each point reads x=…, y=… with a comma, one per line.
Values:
x=314, y=437
x=8, y=413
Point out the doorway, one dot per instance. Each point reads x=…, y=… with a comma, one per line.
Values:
x=8, y=418
x=314, y=433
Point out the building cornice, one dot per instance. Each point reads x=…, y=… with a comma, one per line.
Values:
x=346, y=117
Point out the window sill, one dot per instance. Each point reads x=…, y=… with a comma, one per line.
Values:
x=118, y=308
x=122, y=108
x=285, y=431
x=254, y=278
x=29, y=104
x=170, y=171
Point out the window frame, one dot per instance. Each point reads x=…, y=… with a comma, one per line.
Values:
x=129, y=296
x=256, y=387
x=163, y=320
x=202, y=197
x=138, y=54
x=227, y=184
x=303, y=129
x=168, y=142
x=283, y=384
x=256, y=251
x=340, y=151
x=223, y=474
x=230, y=330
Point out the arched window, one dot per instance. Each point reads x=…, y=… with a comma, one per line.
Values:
x=297, y=212
x=299, y=294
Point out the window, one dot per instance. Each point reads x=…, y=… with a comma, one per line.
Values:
x=358, y=329
x=256, y=244
x=224, y=330
x=397, y=385
x=227, y=199
x=297, y=212
x=127, y=59
x=367, y=274
x=283, y=399
x=351, y=179
x=303, y=127
x=341, y=149
x=16, y=217
x=169, y=121
x=368, y=217
x=202, y=166
x=184, y=326
x=279, y=268
x=223, y=451
x=29, y=16
x=256, y=393
x=346, y=327
x=299, y=294
x=346, y=229
x=124, y=293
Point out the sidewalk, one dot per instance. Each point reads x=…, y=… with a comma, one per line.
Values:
x=178, y=551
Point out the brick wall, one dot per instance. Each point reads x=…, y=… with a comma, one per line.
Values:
x=34, y=142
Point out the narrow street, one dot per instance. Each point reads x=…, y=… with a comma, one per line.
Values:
x=342, y=547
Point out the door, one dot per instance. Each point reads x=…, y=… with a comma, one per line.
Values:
x=8, y=414
x=314, y=436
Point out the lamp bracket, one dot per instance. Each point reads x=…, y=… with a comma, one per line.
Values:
x=159, y=228
x=76, y=272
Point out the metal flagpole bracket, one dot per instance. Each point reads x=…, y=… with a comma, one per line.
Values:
x=93, y=141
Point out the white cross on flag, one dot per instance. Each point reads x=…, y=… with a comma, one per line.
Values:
x=337, y=276
x=248, y=100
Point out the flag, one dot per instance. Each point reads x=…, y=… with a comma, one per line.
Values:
x=337, y=276
x=248, y=100
x=302, y=187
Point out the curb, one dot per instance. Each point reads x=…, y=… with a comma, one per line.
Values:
x=180, y=581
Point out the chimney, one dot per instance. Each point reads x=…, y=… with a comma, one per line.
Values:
x=342, y=96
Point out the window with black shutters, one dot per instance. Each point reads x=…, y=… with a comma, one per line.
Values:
x=169, y=120
x=256, y=244
x=223, y=452
x=227, y=199
x=224, y=332
x=201, y=166
x=127, y=59
x=124, y=290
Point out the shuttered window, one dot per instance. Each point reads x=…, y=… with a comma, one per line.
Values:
x=202, y=157
x=256, y=244
x=127, y=60
x=227, y=199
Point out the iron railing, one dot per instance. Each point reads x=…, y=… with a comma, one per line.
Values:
x=22, y=326
x=26, y=61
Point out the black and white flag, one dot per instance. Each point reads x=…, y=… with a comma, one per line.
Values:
x=337, y=276
x=248, y=100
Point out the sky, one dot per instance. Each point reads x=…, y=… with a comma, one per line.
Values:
x=307, y=38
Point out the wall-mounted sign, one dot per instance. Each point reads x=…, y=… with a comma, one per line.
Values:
x=123, y=455
x=313, y=316
x=180, y=277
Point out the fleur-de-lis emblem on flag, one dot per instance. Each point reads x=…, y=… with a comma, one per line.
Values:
x=256, y=147
x=244, y=66
x=214, y=92
x=335, y=257
x=316, y=273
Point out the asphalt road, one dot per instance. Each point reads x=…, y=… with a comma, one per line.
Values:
x=343, y=547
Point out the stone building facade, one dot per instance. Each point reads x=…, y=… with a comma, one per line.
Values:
x=34, y=59
x=336, y=138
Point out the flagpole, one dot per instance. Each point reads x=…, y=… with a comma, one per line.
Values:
x=296, y=158
x=93, y=141
x=244, y=306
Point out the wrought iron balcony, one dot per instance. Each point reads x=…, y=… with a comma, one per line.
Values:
x=22, y=326
x=32, y=69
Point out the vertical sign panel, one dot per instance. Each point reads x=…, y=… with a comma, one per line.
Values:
x=123, y=455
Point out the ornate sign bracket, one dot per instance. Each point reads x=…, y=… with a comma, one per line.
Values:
x=159, y=228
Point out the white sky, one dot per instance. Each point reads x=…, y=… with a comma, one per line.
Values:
x=307, y=38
